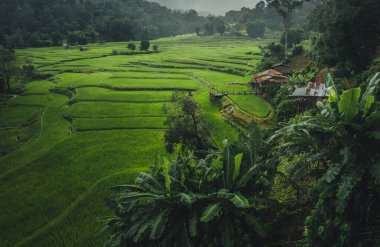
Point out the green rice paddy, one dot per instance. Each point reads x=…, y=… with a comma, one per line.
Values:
x=98, y=121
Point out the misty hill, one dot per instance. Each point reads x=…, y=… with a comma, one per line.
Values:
x=42, y=23
x=216, y=7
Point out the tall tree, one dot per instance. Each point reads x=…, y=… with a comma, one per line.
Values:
x=285, y=8
x=7, y=67
x=350, y=33
x=187, y=126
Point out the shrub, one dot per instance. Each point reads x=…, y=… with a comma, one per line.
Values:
x=144, y=45
x=132, y=46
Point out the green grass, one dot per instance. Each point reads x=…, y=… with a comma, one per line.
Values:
x=39, y=87
x=218, y=127
x=92, y=155
x=86, y=124
x=117, y=110
x=18, y=115
x=252, y=104
x=151, y=83
x=58, y=153
x=37, y=100
x=102, y=94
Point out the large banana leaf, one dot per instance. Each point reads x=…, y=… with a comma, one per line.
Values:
x=240, y=201
x=375, y=170
x=193, y=225
x=368, y=104
x=211, y=211
x=333, y=91
x=372, y=84
x=238, y=159
x=158, y=225
x=349, y=103
x=166, y=175
x=228, y=165
x=256, y=139
x=135, y=196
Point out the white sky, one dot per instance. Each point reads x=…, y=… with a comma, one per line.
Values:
x=216, y=7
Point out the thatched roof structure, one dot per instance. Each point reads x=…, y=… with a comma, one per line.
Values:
x=282, y=68
x=270, y=76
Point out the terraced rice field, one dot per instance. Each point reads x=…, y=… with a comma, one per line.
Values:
x=98, y=121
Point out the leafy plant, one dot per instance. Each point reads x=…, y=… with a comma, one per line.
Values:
x=131, y=46
x=187, y=126
x=339, y=147
x=217, y=201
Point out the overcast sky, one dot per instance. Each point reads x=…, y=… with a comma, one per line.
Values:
x=216, y=7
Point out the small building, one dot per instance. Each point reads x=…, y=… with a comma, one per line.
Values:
x=262, y=80
x=306, y=98
x=282, y=68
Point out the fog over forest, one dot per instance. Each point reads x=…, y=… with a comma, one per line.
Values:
x=216, y=7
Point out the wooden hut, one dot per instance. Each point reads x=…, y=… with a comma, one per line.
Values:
x=266, y=78
x=306, y=98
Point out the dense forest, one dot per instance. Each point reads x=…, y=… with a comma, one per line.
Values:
x=41, y=23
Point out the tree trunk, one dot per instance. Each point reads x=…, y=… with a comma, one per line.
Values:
x=286, y=41
x=286, y=27
x=8, y=81
x=199, y=141
x=2, y=85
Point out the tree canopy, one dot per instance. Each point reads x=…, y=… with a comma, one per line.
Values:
x=42, y=23
x=187, y=127
x=7, y=67
x=350, y=33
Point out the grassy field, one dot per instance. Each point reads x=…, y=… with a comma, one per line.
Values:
x=252, y=104
x=99, y=120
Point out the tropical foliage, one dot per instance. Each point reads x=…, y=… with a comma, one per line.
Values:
x=217, y=201
x=349, y=33
x=338, y=147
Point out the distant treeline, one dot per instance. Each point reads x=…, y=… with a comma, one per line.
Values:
x=37, y=23
x=253, y=22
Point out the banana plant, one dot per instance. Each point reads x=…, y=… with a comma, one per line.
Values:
x=339, y=147
x=215, y=201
